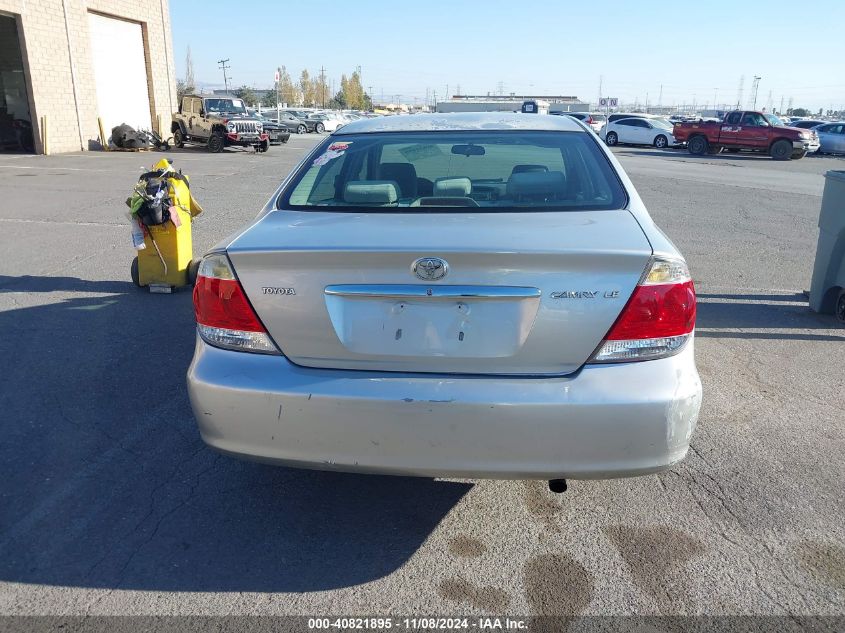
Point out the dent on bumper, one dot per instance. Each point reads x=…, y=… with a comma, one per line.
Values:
x=606, y=421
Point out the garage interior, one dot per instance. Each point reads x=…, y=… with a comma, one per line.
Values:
x=15, y=115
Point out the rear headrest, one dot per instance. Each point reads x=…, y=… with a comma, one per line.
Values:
x=404, y=174
x=452, y=187
x=521, y=169
x=537, y=183
x=371, y=192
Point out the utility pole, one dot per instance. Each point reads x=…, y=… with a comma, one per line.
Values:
x=660, y=98
x=370, y=95
x=715, y=97
x=739, y=92
x=322, y=87
x=780, y=111
x=435, y=101
x=278, y=93
x=601, y=79
x=224, y=67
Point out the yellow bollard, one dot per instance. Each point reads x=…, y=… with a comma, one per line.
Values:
x=44, y=139
x=103, y=140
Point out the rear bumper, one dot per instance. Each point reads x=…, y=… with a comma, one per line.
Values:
x=605, y=421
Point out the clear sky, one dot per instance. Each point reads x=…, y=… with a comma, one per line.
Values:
x=695, y=50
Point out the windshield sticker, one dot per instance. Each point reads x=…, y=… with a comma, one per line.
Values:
x=420, y=151
x=326, y=156
x=340, y=147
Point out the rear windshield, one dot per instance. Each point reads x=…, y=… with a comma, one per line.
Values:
x=490, y=171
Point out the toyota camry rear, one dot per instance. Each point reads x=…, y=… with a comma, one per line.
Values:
x=475, y=295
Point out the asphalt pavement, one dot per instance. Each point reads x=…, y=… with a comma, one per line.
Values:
x=111, y=504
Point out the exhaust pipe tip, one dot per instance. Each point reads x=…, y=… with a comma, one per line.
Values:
x=557, y=486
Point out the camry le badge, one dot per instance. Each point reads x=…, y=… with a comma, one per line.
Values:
x=430, y=268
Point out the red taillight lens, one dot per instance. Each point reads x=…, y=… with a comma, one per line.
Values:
x=224, y=316
x=221, y=303
x=655, y=312
x=658, y=319
x=589, y=120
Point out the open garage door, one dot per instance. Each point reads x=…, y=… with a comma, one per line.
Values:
x=120, y=72
x=15, y=119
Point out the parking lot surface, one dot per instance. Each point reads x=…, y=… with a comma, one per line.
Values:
x=111, y=503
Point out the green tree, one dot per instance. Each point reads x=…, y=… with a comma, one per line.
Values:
x=320, y=90
x=269, y=99
x=802, y=112
x=246, y=93
x=287, y=89
x=306, y=89
x=338, y=102
x=354, y=92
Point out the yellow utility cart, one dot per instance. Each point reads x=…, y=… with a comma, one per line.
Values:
x=166, y=261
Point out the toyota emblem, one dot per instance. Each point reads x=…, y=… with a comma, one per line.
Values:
x=430, y=268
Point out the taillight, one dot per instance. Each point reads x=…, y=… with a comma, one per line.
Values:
x=658, y=319
x=224, y=316
x=589, y=120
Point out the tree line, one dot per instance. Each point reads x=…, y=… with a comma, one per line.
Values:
x=314, y=92
x=307, y=92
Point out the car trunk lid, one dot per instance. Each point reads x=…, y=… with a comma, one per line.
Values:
x=525, y=293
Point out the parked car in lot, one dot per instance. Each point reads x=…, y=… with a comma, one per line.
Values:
x=298, y=121
x=639, y=131
x=292, y=123
x=748, y=130
x=831, y=137
x=547, y=334
x=595, y=121
x=276, y=133
x=805, y=124
x=324, y=122
x=627, y=115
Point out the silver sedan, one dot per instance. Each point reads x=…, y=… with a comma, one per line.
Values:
x=468, y=295
x=831, y=137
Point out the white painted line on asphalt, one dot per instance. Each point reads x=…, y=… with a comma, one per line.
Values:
x=54, y=168
x=30, y=221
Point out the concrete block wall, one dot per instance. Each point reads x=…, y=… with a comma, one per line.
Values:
x=59, y=68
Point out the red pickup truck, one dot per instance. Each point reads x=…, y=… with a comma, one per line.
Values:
x=744, y=129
